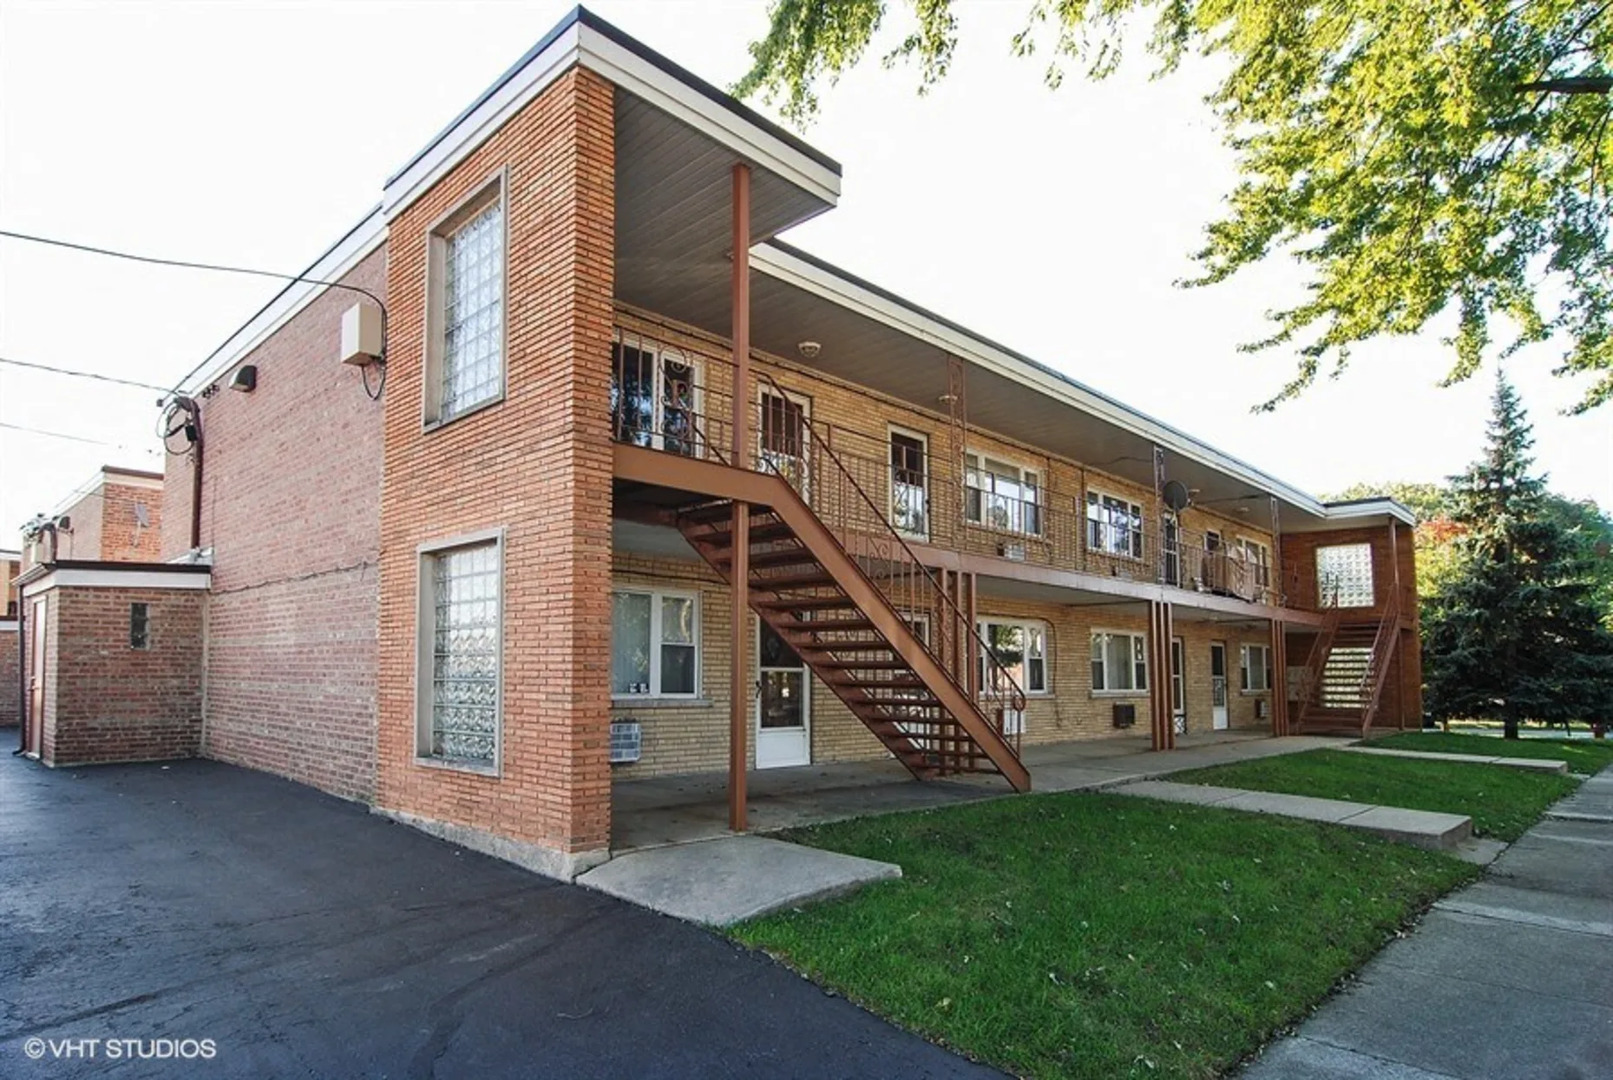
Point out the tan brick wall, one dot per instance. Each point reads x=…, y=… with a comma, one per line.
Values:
x=537, y=465
x=107, y=701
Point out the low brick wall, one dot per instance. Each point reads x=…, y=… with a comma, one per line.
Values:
x=10, y=690
x=108, y=700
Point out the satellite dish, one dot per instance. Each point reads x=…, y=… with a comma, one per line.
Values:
x=1177, y=497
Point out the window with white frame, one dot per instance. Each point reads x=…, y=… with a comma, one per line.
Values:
x=1020, y=648
x=654, y=396
x=1114, y=525
x=1256, y=674
x=654, y=643
x=1344, y=576
x=1119, y=661
x=460, y=646
x=465, y=297
x=1001, y=495
x=1257, y=557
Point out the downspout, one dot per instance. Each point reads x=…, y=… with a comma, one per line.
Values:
x=23, y=696
x=195, y=425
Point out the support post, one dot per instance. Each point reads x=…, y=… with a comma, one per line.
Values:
x=1160, y=631
x=739, y=574
x=1279, y=678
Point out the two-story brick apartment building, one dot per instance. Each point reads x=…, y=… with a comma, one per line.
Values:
x=642, y=471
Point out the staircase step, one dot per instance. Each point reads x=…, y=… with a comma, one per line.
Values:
x=707, y=514
x=794, y=581
x=762, y=560
x=865, y=665
x=839, y=601
x=823, y=626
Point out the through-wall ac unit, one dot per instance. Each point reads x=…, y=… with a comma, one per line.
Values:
x=626, y=741
x=1012, y=551
x=1125, y=713
x=1262, y=709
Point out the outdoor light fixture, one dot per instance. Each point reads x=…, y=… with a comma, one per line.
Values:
x=245, y=378
x=809, y=349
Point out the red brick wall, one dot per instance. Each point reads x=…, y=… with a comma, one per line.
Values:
x=10, y=688
x=291, y=487
x=107, y=701
x=538, y=464
x=123, y=538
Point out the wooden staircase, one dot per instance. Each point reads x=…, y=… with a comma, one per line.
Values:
x=1346, y=673
x=826, y=605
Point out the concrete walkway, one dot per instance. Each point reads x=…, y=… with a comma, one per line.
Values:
x=728, y=880
x=688, y=807
x=1423, y=828
x=1508, y=979
x=1543, y=765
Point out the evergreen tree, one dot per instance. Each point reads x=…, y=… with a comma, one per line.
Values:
x=1515, y=633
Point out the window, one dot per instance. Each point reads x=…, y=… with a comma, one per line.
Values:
x=784, y=437
x=1257, y=557
x=654, y=396
x=910, y=491
x=1119, y=662
x=1344, y=576
x=465, y=298
x=1020, y=649
x=1001, y=495
x=461, y=644
x=654, y=643
x=139, y=626
x=1256, y=675
x=1114, y=526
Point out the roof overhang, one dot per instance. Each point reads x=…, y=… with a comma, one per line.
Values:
x=72, y=573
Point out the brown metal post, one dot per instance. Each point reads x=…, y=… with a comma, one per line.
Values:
x=971, y=615
x=1279, y=678
x=739, y=575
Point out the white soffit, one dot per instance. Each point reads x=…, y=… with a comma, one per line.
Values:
x=786, y=266
x=579, y=42
x=117, y=579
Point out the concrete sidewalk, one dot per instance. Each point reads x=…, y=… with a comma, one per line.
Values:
x=1508, y=979
x=1423, y=828
x=1542, y=765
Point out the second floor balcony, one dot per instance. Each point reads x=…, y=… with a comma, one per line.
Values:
x=953, y=490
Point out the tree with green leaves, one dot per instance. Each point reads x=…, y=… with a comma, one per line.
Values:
x=1413, y=158
x=1514, y=633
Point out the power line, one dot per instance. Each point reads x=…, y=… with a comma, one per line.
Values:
x=217, y=267
x=84, y=375
x=71, y=438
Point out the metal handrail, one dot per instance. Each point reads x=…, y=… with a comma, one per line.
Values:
x=999, y=686
x=1372, y=682
x=1317, y=658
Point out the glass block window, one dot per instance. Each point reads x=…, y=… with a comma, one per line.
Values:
x=654, y=643
x=465, y=654
x=139, y=626
x=1344, y=576
x=473, y=313
x=1119, y=661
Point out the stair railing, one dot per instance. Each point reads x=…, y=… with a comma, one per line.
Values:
x=1377, y=672
x=1316, y=660
x=810, y=465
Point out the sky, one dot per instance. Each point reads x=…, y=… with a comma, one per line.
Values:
x=1055, y=222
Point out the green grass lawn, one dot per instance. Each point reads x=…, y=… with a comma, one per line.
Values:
x=1087, y=935
x=1582, y=755
x=1502, y=802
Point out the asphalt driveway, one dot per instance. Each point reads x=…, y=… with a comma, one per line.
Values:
x=306, y=937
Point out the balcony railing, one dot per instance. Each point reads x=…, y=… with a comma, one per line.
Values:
x=680, y=403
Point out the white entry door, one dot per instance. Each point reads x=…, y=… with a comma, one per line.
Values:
x=1178, y=687
x=1218, y=686
x=783, y=709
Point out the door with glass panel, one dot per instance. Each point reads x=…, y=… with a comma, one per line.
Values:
x=910, y=484
x=784, y=438
x=654, y=395
x=1178, y=687
x=783, y=708
x=1218, y=686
